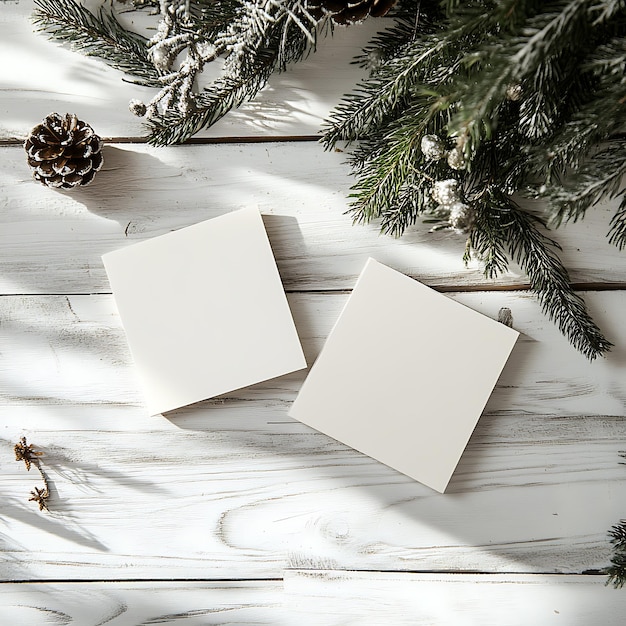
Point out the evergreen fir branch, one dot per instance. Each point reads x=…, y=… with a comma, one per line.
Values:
x=377, y=98
x=454, y=81
x=411, y=18
x=543, y=36
x=617, y=232
x=606, y=10
x=381, y=181
x=486, y=238
x=389, y=165
x=608, y=58
x=592, y=123
x=283, y=26
x=209, y=16
x=596, y=101
x=218, y=99
x=549, y=279
x=598, y=179
x=393, y=87
x=617, y=570
x=99, y=35
x=413, y=198
x=265, y=37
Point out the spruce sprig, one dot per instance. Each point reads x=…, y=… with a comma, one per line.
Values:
x=549, y=279
x=223, y=95
x=617, y=570
x=533, y=94
x=262, y=38
x=99, y=35
x=617, y=232
x=254, y=37
x=598, y=178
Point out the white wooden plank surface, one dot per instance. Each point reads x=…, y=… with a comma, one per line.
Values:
x=323, y=599
x=245, y=495
x=140, y=604
x=45, y=76
x=72, y=350
x=234, y=488
x=51, y=242
x=452, y=600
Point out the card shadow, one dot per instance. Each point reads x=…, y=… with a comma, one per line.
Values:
x=468, y=526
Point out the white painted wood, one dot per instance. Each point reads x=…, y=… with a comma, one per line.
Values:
x=72, y=350
x=51, y=242
x=234, y=488
x=46, y=76
x=134, y=604
x=324, y=598
x=363, y=598
x=245, y=495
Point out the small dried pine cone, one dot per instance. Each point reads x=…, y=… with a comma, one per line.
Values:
x=63, y=152
x=346, y=12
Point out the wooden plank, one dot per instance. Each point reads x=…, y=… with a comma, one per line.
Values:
x=90, y=604
x=324, y=598
x=246, y=494
x=51, y=242
x=459, y=600
x=233, y=488
x=72, y=350
x=44, y=76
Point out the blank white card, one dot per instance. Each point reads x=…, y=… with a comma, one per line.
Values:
x=204, y=310
x=404, y=375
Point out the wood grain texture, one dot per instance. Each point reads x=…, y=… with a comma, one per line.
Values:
x=45, y=76
x=323, y=599
x=233, y=488
x=51, y=242
x=452, y=600
x=72, y=350
x=143, y=604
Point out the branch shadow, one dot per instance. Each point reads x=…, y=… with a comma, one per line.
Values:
x=60, y=462
x=55, y=524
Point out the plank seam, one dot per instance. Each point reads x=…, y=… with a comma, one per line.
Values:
x=46, y=581
x=15, y=141
x=434, y=572
x=589, y=287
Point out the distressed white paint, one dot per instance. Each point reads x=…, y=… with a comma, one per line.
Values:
x=459, y=600
x=233, y=488
x=72, y=350
x=323, y=599
x=51, y=242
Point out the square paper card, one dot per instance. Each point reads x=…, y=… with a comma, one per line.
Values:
x=404, y=375
x=204, y=310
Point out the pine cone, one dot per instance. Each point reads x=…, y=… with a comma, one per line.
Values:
x=63, y=151
x=346, y=12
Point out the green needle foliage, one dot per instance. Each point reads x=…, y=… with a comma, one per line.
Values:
x=253, y=37
x=532, y=93
x=617, y=570
x=274, y=36
x=99, y=35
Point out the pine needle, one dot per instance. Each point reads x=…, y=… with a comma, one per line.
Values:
x=98, y=35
